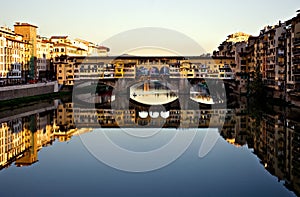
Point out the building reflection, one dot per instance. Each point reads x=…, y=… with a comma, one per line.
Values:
x=26, y=130
x=273, y=136
x=21, y=137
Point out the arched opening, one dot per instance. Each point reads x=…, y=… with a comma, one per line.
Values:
x=154, y=71
x=165, y=71
x=142, y=71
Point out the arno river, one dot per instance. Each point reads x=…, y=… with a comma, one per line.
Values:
x=63, y=147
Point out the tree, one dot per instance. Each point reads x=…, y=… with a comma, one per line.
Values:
x=256, y=87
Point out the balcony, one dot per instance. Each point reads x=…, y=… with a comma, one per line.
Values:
x=281, y=64
x=271, y=58
x=296, y=71
x=270, y=82
x=281, y=45
x=281, y=38
x=296, y=42
x=297, y=79
x=270, y=69
x=296, y=51
x=296, y=60
x=280, y=52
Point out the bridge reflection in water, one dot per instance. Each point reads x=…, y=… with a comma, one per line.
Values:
x=153, y=92
x=26, y=130
x=274, y=137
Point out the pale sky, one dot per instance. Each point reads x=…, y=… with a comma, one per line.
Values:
x=206, y=22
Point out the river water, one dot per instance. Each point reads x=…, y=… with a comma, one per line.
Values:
x=61, y=147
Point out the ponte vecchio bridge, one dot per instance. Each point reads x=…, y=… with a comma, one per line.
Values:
x=75, y=70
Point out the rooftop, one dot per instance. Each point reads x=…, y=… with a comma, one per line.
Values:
x=58, y=37
x=103, y=47
x=25, y=24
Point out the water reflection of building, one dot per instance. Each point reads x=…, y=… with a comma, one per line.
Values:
x=293, y=131
x=71, y=116
x=138, y=115
x=275, y=139
x=24, y=131
x=278, y=147
x=273, y=136
x=238, y=135
x=21, y=138
x=12, y=144
x=65, y=116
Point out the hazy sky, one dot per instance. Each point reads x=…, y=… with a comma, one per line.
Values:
x=206, y=22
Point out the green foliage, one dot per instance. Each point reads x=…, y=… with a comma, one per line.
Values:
x=31, y=68
x=257, y=92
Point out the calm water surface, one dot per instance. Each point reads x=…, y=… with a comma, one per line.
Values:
x=44, y=153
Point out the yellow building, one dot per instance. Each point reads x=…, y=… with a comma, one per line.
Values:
x=29, y=33
x=64, y=46
x=119, y=69
x=238, y=37
x=67, y=70
x=185, y=67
